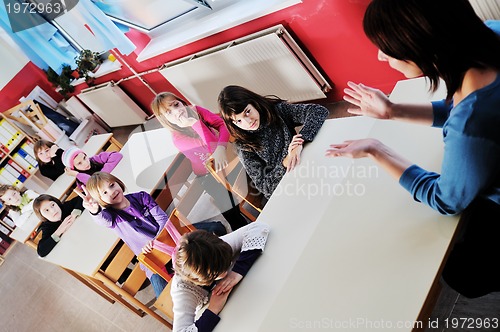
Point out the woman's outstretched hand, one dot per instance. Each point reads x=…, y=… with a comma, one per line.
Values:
x=368, y=101
x=353, y=149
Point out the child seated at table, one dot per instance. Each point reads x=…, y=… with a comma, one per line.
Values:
x=49, y=157
x=201, y=136
x=20, y=202
x=135, y=217
x=56, y=217
x=265, y=135
x=203, y=265
x=78, y=164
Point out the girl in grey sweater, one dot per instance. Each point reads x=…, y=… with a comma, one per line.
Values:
x=264, y=131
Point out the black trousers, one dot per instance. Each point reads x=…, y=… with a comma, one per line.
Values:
x=226, y=202
x=472, y=267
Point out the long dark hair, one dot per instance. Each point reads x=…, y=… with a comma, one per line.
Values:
x=233, y=99
x=444, y=38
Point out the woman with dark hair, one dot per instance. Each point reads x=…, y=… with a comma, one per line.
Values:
x=264, y=131
x=443, y=40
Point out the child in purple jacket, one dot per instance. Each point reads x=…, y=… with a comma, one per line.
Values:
x=136, y=217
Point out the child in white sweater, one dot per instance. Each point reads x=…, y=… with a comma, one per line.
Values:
x=208, y=266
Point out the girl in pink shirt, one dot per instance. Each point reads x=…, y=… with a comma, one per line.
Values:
x=200, y=135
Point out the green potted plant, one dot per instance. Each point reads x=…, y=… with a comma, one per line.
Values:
x=87, y=62
x=62, y=81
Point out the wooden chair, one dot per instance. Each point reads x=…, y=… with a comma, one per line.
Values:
x=107, y=278
x=156, y=260
x=241, y=186
x=30, y=114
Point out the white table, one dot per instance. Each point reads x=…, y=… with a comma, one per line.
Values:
x=349, y=249
x=85, y=246
x=60, y=187
x=147, y=157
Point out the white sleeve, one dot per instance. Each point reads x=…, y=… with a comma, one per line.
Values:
x=186, y=298
x=249, y=237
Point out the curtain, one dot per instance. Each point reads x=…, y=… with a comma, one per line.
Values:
x=38, y=39
x=46, y=47
x=88, y=25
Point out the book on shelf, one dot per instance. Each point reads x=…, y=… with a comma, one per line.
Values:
x=23, y=163
x=3, y=148
x=8, y=221
x=15, y=173
x=4, y=230
x=28, y=157
x=6, y=239
x=28, y=147
x=4, y=245
x=7, y=178
x=10, y=140
x=18, y=168
x=7, y=126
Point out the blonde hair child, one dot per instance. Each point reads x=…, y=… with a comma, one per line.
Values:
x=19, y=201
x=201, y=136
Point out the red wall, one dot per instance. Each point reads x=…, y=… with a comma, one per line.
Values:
x=329, y=31
x=22, y=84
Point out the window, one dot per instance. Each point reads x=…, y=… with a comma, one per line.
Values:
x=185, y=21
x=146, y=15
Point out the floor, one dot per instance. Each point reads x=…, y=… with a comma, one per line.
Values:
x=40, y=296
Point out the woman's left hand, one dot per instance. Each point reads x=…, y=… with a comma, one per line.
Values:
x=353, y=149
x=219, y=158
x=227, y=283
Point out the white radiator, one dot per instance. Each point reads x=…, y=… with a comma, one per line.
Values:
x=112, y=105
x=487, y=9
x=268, y=62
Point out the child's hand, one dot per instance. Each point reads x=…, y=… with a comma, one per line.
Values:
x=293, y=158
x=227, y=283
x=186, y=122
x=296, y=141
x=53, y=150
x=219, y=158
x=70, y=172
x=148, y=247
x=65, y=225
x=88, y=202
x=217, y=302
